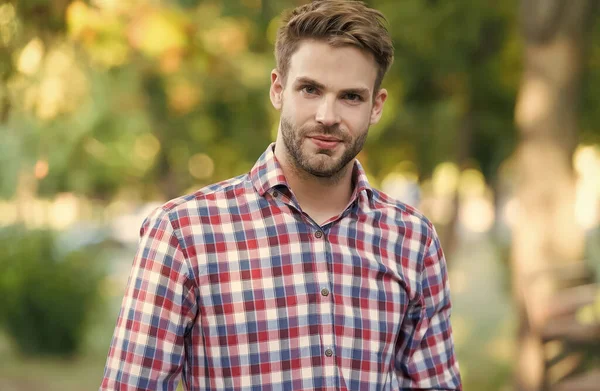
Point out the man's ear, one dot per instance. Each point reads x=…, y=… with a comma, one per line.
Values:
x=276, y=90
x=378, y=102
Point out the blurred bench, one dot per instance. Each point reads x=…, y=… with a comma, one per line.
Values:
x=586, y=382
x=566, y=341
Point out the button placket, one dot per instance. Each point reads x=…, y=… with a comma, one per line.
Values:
x=323, y=280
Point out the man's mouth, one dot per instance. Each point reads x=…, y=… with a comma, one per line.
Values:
x=324, y=141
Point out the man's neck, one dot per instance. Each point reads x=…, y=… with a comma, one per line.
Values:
x=320, y=197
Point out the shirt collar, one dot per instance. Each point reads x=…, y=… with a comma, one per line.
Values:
x=267, y=174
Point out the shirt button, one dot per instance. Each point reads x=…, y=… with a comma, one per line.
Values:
x=325, y=292
x=275, y=194
x=329, y=352
x=319, y=234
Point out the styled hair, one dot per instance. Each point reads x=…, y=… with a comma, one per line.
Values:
x=339, y=23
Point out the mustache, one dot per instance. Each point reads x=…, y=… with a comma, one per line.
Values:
x=319, y=129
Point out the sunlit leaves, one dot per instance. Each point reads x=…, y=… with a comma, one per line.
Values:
x=8, y=23
x=102, y=33
x=158, y=31
x=31, y=56
x=183, y=96
x=193, y=76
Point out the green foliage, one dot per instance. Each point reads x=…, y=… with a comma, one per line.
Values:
x=590, y=132
x=192, y=77
x=456, y=77
x=89, y=87
x=46, y=295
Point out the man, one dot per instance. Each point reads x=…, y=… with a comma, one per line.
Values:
x=297, y=275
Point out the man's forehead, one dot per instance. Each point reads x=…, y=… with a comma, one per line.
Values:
x=344, y=67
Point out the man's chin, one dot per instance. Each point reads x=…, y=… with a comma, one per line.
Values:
x=323, y=169
x=317, y=152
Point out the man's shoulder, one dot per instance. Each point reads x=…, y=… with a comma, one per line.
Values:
x=400, y=211
x=207, y=196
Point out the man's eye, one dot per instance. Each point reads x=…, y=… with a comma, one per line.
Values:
x=309, y=90
x=354, y=97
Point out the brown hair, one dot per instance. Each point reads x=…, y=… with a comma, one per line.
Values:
x=339, y=23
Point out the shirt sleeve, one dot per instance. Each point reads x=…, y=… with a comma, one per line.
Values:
x=158, y=309
x=426, y=358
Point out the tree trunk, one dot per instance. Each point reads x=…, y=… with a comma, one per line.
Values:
x=546, y=233
x=463, y=145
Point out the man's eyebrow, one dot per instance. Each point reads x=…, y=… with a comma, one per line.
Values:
x=357, y=91
x=309, y=81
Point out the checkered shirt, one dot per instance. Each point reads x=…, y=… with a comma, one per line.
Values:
x=235, y=288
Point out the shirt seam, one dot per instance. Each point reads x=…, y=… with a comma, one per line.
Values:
x=179, y=238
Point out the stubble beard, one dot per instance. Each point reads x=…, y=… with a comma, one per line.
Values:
x=322, y=164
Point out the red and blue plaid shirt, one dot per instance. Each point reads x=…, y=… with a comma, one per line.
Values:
x=235, y=288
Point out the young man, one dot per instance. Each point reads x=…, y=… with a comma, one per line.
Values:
x=297, y=275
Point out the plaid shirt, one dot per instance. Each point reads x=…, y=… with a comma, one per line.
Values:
x=235, y=288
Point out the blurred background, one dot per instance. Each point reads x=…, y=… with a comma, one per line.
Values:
x=109, y=108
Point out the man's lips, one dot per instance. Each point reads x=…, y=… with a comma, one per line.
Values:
x=325, y=142
x=325, y=137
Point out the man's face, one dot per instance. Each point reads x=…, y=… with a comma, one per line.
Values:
x=326, y=106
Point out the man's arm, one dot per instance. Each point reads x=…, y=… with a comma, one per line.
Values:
x=427, y=359
x=159, y=306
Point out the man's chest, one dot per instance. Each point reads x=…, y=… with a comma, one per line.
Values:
x=298, y=283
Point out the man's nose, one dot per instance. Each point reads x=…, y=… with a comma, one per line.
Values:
x=327, y=113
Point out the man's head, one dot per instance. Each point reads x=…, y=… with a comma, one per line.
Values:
x=338, y=23
x=331, y=59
